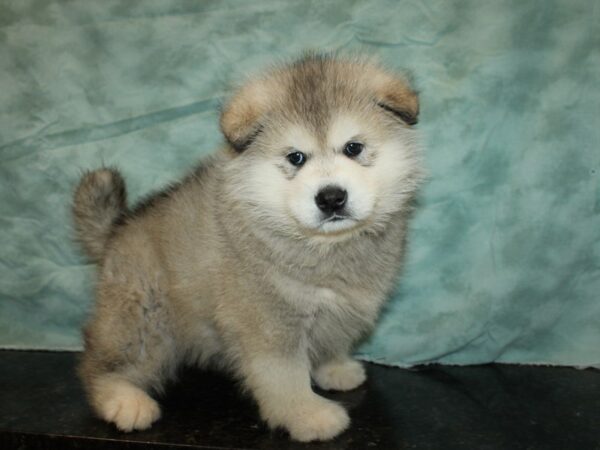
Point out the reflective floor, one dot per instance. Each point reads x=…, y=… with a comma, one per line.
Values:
x=42, y=406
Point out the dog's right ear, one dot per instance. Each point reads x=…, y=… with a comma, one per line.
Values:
x=240, y=118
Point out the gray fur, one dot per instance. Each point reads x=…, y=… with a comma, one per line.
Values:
x=209, y=275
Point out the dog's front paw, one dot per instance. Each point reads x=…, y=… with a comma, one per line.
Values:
x=340, y=375
x=320, y=422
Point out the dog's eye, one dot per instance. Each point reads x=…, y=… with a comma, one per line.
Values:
x=296, y=158
x=353, y=149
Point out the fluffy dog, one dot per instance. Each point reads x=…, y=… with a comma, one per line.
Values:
x=270, y=260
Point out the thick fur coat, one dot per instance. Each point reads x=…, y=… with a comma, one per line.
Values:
x=271, y=260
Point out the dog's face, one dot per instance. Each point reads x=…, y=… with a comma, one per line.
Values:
x=325, y=147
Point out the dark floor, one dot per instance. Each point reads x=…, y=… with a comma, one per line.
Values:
x=488, y=407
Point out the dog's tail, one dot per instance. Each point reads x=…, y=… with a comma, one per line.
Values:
x=100, y=198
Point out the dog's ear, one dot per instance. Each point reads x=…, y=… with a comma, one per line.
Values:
x=240, y=117
x=395, y=95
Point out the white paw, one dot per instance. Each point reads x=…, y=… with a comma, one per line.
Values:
x=340, y=375
x=128, y=407
x=321, y=422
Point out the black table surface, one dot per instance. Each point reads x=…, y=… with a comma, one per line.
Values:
x=42, y=406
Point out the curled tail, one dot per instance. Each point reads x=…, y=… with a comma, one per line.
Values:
x=100, y=198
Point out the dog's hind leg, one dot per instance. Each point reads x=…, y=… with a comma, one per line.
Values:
x=129, y=347
x=117, y=400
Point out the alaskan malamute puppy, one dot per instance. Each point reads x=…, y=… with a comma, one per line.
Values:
x=270, y=260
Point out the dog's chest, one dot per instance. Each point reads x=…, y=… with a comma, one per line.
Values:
x=337, y=321
x=328, y=314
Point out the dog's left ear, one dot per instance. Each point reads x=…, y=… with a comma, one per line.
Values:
x=395, y=95
x=240, y=117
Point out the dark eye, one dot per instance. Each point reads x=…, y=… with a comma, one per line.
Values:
x=296, y=158
x=353, y=149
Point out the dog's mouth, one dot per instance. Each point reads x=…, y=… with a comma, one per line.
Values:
x=337, y=223
x=335, y=218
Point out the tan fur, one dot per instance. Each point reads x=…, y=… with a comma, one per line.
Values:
x=232, y=268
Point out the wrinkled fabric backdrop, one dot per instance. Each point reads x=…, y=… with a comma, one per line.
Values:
x=504, y=261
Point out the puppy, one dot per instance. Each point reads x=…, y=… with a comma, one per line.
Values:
x=270, y=260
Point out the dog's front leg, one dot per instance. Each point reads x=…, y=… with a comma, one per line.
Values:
x=340, y=374
x=281, y=386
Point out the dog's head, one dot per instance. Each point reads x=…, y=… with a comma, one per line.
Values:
x=324, y=146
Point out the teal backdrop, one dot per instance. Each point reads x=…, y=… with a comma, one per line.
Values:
x=504, y=260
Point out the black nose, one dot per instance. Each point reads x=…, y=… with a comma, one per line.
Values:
x=331, y=199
